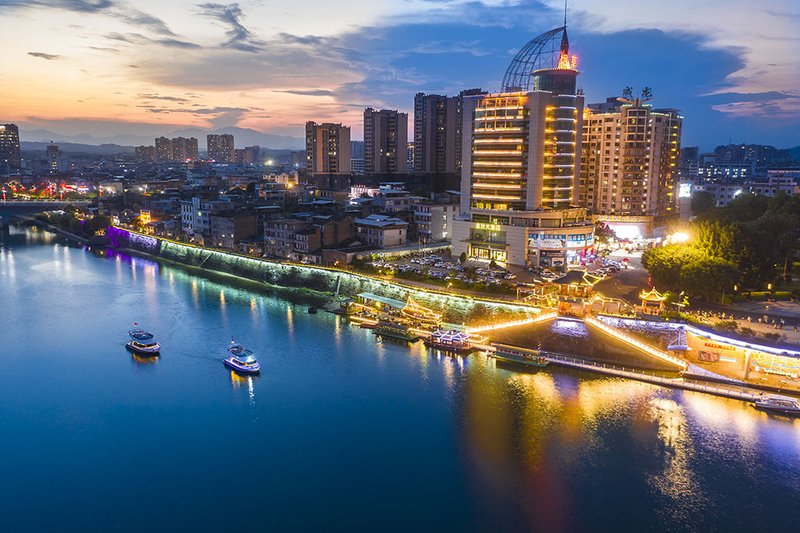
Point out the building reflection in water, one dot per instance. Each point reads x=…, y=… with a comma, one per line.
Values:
x=531, y=434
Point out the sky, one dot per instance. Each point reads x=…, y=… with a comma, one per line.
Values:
x=149, y=67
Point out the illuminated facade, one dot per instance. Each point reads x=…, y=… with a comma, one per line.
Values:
x=630, y=164
x=220, y=147
x=385, y=142
x=184, y=149
x=518, y=183
x=327, y=148
x=163, y=149
x=9, y=148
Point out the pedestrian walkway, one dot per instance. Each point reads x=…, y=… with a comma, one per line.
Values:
x=728, y=391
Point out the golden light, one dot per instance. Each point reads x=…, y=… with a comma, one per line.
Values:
x=679, y=237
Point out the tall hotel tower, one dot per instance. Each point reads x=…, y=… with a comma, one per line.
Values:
x=519, y=178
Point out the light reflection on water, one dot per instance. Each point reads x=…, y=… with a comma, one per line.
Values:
x=464, y=443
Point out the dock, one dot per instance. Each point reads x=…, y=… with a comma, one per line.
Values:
x=732, y=391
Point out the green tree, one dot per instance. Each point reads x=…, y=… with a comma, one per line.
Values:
x=664, y=264
x=462, y=258
x=708, y=277
x=702, y=202
x=603, y=234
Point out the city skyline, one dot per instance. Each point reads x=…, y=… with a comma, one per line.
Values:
x=154, y=68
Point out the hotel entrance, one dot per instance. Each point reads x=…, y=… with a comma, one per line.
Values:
x=487, y=254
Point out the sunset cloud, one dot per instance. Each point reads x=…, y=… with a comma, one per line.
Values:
x=325, y=60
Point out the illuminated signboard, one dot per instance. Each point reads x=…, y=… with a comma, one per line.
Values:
x=541, y=240
x=490, y=227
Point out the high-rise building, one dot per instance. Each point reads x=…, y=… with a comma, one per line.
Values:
x=53, y=155
x=163, y=149
x=184, y=149
x=220, y=147
x=9, y=148
x=437, y=132
x=629, y=167
x=327, y=148
x=521, y=164
x=357, y=157
x=689, y=167
x=759, y=156
x=145, y=153
x=385, y=141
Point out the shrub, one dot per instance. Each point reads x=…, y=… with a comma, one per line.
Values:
x=727, y=324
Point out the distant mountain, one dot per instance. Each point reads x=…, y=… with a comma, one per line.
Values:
x=82, y=138
x=794, y=153
x=245, y=137
x=242, y=137
x=101, y=149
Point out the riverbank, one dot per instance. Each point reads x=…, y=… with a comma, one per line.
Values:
x=457, y=308
x=50, y=227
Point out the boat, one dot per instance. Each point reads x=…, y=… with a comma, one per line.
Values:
x=516, y=354
x=451, y=341
x=241, y=359
x=395, y=331
x=781, y=405
x=142, y=342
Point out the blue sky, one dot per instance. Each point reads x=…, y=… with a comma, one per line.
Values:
x=147, y=67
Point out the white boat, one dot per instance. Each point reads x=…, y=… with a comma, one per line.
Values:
x=778, y=404
x=142, y=342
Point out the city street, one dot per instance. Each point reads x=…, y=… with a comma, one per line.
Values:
x=628, y=282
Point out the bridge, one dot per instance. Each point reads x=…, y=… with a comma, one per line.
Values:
x=14, y=208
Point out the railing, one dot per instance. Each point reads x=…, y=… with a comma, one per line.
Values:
x=640, y=375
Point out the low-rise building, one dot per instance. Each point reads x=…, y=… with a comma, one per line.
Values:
x=280, y=236
x=725, y=191
x=196, y=215
x=434, y=222
x=551, y=238
x=230, y=228
x=381, y=231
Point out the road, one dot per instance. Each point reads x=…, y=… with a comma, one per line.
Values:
x=627, y=283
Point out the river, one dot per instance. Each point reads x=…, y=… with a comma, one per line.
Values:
x=340, y=432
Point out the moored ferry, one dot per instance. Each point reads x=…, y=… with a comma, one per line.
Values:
x=395, y=331
x=451, y=341
x=142, y=342
x=241, y=359
x=778, y=404
x=517, y=354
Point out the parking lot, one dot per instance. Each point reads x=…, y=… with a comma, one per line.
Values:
x=445, y=269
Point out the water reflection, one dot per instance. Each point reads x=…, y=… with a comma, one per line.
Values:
x=144, y=361
x=540, y=450
x=241, y=382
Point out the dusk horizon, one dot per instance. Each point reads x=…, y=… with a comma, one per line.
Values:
x=400, y=266
x=143, y=69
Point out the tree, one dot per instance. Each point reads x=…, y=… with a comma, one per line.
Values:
x=708, y=277
x=603, y=234
x=665, y=263
x=702, y=202
x=462, y=258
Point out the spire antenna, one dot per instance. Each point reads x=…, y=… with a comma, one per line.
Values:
x=565, y=13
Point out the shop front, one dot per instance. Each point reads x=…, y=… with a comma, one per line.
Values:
x=560, y=250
